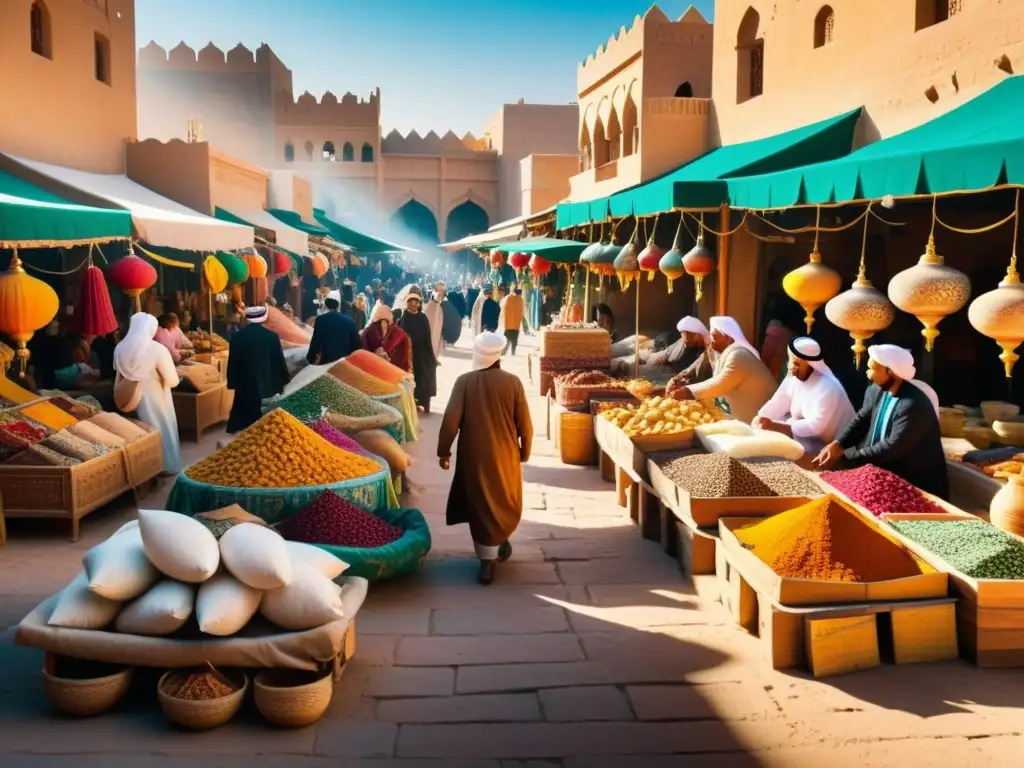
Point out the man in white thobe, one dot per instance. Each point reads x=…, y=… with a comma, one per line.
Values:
x=811, y=405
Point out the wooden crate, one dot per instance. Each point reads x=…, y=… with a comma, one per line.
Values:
x=145, y=456
x=696, y=550
x=649, y=513
x=197, y=412
x=631, y=453
x=930, y=583
x=838, y=646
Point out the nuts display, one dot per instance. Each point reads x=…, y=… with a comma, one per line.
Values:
x=661, y=416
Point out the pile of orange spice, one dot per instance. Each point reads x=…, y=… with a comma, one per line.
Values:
x=826, y=540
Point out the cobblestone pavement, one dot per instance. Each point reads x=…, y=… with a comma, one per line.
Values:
x=588, y=650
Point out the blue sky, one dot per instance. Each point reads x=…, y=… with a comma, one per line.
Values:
x=440, y=64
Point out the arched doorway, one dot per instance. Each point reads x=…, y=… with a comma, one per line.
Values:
x=749, y=58
x=467, y=218
x=684, y=91
x=418, y=219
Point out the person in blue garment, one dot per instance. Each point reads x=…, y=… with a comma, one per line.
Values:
x=335, y=335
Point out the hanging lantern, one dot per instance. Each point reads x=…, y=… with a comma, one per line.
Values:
x=497, y=259
x=132, y=275
x=671, y=264
x=863, y=310
x=94, y=314
x=539, y=266
x=236, y=268
x=698, y=261
x=930, y=290
x=257, y=265
x=318, y=265
x=999, y=314
x=649, y=259
x=26, y=305
x=812, y=285
x=215, y=274
x=282, y=263
x=627, y=264
x=519, y=261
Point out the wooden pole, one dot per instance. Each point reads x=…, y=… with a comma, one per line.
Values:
x=723, y=262
x=209, y=292
x=586, y=298
x=636, y=338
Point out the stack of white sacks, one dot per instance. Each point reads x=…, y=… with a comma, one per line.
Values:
x=151, y=575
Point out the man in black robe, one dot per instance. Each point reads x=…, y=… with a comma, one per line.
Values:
x=256, y=369
x=897, y=428
x=491, y=312
x=424, y=362
x=334, y=335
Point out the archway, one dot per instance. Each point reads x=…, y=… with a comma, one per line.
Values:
x=749, y=58
x=630, y=127
x=614, y=136
x=684, y=91
x=329, y=151
x=348, y=153
x=586, y=150
x=417, y=218
x=367, y=154
x=824, y=26
x=600, y=144
x=289, y=152
x=465, y=219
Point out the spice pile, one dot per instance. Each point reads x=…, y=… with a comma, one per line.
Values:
x=332, y=520
x=718, y=475
x=377, y=366
x=973, y=547
x=203, y=686
x=280, y=452
x=355, y=377
x=326, y=392
x=336, y=437
x=825, y=540
x=661, y=416
x=880, y=491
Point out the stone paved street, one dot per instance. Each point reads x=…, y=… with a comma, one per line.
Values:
x=589, y=650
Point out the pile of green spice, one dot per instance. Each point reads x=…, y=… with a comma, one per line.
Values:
x=973, y=547
x=308, y=403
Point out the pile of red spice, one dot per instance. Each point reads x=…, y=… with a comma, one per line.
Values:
x=336, y=437
x=880, y=491
x=332, y=520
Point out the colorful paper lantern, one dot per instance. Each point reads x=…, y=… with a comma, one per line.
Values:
x=649, y=259
x=282, y=263
x=257, y=265
x=519, y=261
x=627, y=264
x=539, y=266
x=699, y=263
x=497, y=258
x=132, y=275
x=999, y=314
x=26, y=305
x=94, y=314
x=318, y=265
x=215, y=274
x=237, y=269
x=671, y=264
x=811, y=285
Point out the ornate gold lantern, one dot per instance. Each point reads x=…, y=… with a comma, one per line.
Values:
x=812, y=284
x=863, y=310
x=930, y=290
x=999, y=314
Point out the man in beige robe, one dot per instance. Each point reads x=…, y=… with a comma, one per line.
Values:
x=740, y=378
x=489, y=414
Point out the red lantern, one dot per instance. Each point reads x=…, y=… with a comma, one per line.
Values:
x=282, y=263
x=649, y=259
x=132, y=275
x=539, y=265
x=94, y=315
x=497, y=258
x=519, y=261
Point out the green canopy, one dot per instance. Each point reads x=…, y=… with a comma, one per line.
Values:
x=973, y=147
x=293, y=219
x=357, y=241
x=818, y=142
x=31, y=217
x=554, y=250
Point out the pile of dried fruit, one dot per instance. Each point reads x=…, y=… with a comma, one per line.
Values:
x=587, y=379
x=327, y=393
x=280, y=452
x=201, y=686
x=973, y=547
x=332, y=520
x=661, y=416
x=880, y=491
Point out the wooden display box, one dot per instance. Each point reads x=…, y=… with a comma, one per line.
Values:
x=630, y=453
x=989, y=612
x=197, y=412
x=930, y=583
x=68, y=493
x=145, y=456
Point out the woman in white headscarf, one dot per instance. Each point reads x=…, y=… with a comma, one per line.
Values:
x=740, y=378
x=139, y=358
x=489, y=414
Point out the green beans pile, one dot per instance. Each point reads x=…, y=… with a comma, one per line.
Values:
x=308, y=403
x=973, y=547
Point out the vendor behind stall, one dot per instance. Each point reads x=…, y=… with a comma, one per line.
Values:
x=897, y=428
x=740, y=378
x=170, y=335
x=811, y=406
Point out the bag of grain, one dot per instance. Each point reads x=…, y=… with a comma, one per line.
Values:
x=257, y=556
x=80, y=608
x=179, y=546
x=118, y=568
x=162, y=610
x=310, y=600
x=225, y=605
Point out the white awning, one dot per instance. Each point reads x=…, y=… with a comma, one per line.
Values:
x=157, y=219
x=502, y=232
x=285, y=236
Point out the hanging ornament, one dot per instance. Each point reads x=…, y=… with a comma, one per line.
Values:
x=238, y=271
x=519, y=261
x=671, y=264
x=497, y=259
x=539, y=266
x=257, y=265
x=215, y=274
x=999, y=314
x=282, y=263
x=94, y=314
x=26, y=305
x=650, y=257
x=132, y=275
x=930, y=290
x=627, y=264
x=698, y=261
x=863, y=310
x=318, y=265
x=813, y=284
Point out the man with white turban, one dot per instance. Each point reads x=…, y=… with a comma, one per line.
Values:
x=897, y=428
x=811, y=406
x=489, y=414
x=739, y=377
x=688, y=356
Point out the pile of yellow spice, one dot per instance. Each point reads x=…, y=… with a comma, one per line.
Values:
x=279, y=451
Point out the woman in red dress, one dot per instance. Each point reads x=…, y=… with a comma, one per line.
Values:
x=386, y=339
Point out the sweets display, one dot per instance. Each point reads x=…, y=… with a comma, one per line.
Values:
x=973, y=547
x=594, y=379
x=880, y=491
x=717, y=475
x=279, y=451
x=202, y=341
x=827, y=541
x=661, y=416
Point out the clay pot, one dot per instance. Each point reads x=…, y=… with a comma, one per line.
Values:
x=1007, y=510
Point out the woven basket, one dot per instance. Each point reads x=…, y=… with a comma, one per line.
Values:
x=291, y=698
x=995, y=410
x=1009, y=432
x=578, y=397
x=202, y=715
x=576, y=442
x=980, y=437
x=84, y=697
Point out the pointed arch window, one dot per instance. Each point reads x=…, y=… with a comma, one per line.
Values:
x=366, y=155
x=39, y=30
